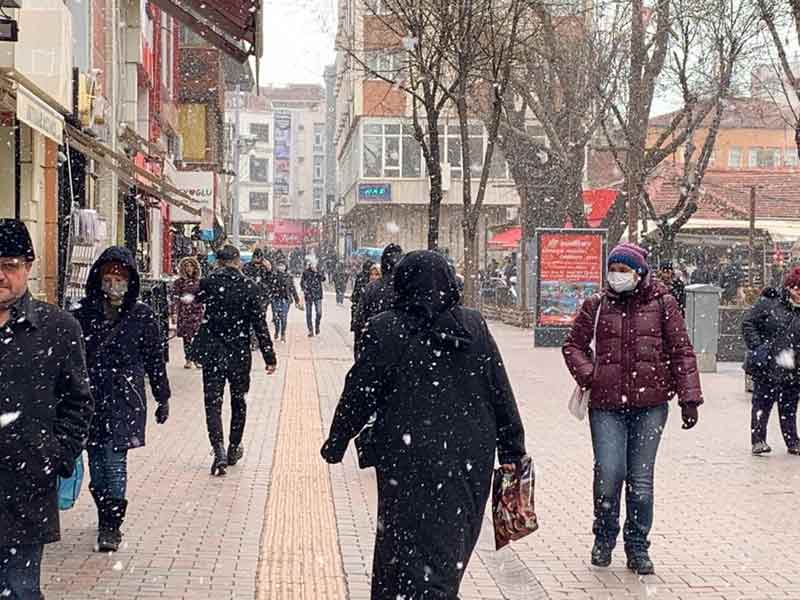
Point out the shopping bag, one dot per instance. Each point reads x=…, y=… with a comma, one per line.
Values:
x=513, y=506
x=579, y=403
x=70, y=487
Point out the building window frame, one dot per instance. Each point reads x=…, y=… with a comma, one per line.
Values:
x=258, y=169
x=263, y=203
x=261, y=131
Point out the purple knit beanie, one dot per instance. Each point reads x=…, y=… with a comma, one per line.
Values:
x=632, y=256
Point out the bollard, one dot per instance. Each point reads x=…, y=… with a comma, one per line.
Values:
x=702, y=322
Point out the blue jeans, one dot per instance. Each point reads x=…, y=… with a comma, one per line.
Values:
x=280, y=315
x=20, y=572
x=625, y=445
x=317, y=305
x=109, y=471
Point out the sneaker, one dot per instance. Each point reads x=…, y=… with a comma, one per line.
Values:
x=641, y=564
x=761, y=448
x=601, y=555
x=794, y=450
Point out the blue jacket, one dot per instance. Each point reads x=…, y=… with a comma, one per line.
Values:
x=119, y=354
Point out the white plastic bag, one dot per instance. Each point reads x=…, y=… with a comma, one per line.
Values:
x=579, y=401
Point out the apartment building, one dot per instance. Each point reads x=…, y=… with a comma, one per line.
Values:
x=382, y=182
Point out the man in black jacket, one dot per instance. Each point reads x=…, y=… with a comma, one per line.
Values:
x=283, y=293
x=222, y=347
x=379, y=295
x=45, y=409
x=311, y=284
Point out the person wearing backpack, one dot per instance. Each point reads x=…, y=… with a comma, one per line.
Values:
x=644, y=358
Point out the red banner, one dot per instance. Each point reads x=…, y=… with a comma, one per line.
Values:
x=570, y=270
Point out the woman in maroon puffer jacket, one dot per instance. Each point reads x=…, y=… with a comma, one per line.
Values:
x=644, y=358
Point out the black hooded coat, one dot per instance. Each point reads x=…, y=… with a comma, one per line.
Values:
x=770, y=327
x=379, y=295
x=432, y=372
x=119, y=354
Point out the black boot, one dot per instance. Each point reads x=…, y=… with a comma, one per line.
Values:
x=235, y=454
x=110, y=535
x=601, y=555
x=218, y=467
x=641, y=564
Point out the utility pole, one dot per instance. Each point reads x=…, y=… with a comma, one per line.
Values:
x=237, y=157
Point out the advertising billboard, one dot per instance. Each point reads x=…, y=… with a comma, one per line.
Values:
x=282, y=155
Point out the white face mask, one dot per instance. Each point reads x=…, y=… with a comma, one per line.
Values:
x=622, y=282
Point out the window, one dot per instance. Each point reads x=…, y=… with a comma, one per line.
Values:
x=734, y=158
x=261, y=131
x=259, y=201
x=765, y=158
x=319, y=137
x=790, y=158
x=259, y=170
x=319, y=166
x=412, y=153
x=387, y=64
x=476, y=151
x=318, y=193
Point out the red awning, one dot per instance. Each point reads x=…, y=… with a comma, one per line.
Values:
x=233, y=26
x=507, y=240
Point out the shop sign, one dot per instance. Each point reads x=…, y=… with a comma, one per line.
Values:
x=375, y=192
x=39, y=116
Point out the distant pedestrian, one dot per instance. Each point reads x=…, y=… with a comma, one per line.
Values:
x=311, y=284
x=374, y=273
x=123, y=346
x=233, y=310
x=340, y=282
x=437, y=430
x=673, y=282
x=185, y=305
x=360, y=283
x=283, y=293
x=259, y=270
x=643, y=358
x=379, y=295
x=46, y=408
x=772, y=333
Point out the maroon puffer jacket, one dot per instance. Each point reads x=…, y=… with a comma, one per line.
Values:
x=644, y=355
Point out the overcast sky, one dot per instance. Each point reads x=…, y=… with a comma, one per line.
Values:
x=298, y=40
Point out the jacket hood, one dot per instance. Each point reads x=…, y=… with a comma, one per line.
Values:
x=391, y=256
x=772, y=292
x=94, y=283
x=426, y=289
x=184, y=264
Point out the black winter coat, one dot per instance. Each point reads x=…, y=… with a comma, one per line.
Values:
x=311, y=284
x=42, y=378
x=359, y=285
x=119, y=355
x=262, y=277
x=771, y=326
x=233, y=310
x=444, y=406
x=283, y=288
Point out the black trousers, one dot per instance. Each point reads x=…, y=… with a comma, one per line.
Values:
x=765, y=394
x=216, y=373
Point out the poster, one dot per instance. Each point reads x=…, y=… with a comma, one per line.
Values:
x=282, y=154
x=570, y=269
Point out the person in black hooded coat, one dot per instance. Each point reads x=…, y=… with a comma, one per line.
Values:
x=432, y=372
x=123, y=345
x=378, y=295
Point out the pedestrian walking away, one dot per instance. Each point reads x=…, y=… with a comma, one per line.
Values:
x=259, y=270
x=360, y=284
x=673, y=283
x=379, y=295
x=186, y=307
x=772, y=333
x=45, y=409
x=436, y=432
x=643, y=358
x=283, y=292
x=311, y=284
x=123, y=346
x=222, y=347
x=340, y=278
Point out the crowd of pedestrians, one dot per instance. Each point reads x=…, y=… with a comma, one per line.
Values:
x=427, y=402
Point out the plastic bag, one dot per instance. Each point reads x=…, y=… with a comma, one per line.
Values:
x=579, y=403
x=513, y=505
x=69, y=488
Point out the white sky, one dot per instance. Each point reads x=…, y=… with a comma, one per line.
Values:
x=298, y=40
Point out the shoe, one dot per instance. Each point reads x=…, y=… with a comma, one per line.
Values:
x=109, y=536
x=218, y=467
x=601, y=555
x=317, y=330
x=641, y=564
x=188, y=365
x=310, y=334
x=794, y=450
x=108, y=540
x=283, y=339
x=761, y=448
x=235, y=454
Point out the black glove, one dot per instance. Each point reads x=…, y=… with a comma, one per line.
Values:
x=689, y=415
x=162, y=413
x=333, y=453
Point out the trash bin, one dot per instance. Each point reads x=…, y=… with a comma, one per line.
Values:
x=702, y=321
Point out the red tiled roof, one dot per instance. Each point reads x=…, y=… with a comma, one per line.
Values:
x=741, y=113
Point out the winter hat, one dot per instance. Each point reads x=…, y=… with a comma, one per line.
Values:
x=258, y=254
x=15, y=241
x=228, y=253
x=631, y=255
x=792, y=279
x=115, y=267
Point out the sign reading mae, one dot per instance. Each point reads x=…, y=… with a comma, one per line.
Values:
x=375, y=192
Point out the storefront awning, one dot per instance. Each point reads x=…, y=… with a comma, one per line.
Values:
x=233, y=26
x=128, y=171
x=507, y=240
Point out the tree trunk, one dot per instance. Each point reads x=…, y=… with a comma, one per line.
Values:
x=434, y=165
x=470, y=265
